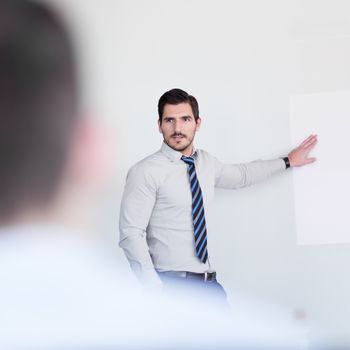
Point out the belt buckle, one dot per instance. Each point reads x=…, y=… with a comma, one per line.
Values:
x=209, y=276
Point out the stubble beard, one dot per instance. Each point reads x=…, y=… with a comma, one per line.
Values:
x=180, y=148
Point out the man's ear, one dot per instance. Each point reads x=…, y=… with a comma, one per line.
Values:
x=198, y=122
x=160, y=126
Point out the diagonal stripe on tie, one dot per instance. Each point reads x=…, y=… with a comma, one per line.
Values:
x=201, y=211
x=198, y=214
x=200, y=236
x=199, y=228
x=194, y=185
x=202, y=245
x=205, y=255
x=197, y=197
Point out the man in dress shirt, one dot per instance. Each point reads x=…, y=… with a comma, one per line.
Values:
x=157, y=220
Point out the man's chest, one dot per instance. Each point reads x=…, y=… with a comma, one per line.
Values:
x=174, y=189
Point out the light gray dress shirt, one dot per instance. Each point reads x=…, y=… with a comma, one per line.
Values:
x=156, y=227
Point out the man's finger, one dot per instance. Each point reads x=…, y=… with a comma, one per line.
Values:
x=310, y=138
x=310, y=143
x=307, y=140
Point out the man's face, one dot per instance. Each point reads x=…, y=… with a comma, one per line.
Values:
x=178, y=127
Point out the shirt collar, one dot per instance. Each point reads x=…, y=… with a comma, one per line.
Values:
x=174, y=156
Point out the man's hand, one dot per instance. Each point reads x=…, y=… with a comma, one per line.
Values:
x=299, y=156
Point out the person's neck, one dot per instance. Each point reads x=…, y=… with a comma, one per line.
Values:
x=188, y=151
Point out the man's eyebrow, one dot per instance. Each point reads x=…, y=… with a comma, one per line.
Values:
x=183, y=116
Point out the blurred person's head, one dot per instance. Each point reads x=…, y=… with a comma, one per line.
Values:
x=179, y=119
x=42, y=141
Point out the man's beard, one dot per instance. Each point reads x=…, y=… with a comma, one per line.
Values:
x=180, y=148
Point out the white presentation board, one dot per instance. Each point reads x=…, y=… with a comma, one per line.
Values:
x=322, y=189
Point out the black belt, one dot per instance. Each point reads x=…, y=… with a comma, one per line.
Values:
x=205, y=276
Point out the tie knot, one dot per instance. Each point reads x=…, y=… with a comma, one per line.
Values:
x=188, y=160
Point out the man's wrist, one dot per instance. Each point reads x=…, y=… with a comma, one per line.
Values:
x=286, y=162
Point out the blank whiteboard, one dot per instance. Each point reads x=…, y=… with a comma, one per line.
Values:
x=322, y=189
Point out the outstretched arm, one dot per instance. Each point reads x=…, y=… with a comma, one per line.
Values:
x=246, y=174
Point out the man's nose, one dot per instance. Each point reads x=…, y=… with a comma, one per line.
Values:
x=177, y=126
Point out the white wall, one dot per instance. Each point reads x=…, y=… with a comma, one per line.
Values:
x=242, y=60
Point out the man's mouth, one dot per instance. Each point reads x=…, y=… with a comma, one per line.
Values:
x=178, y=137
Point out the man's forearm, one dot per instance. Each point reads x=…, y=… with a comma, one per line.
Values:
x=137, y=252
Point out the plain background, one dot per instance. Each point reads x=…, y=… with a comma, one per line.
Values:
x=328, y=177
x=242, y=60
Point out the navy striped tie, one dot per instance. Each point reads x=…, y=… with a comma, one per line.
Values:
x=199, y=226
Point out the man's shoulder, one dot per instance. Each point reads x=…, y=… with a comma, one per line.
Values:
x=202, y=154
x=150, y=166
x=149, y=162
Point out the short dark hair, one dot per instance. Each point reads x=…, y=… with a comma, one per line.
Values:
x=38, y=103
x=174, y=97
